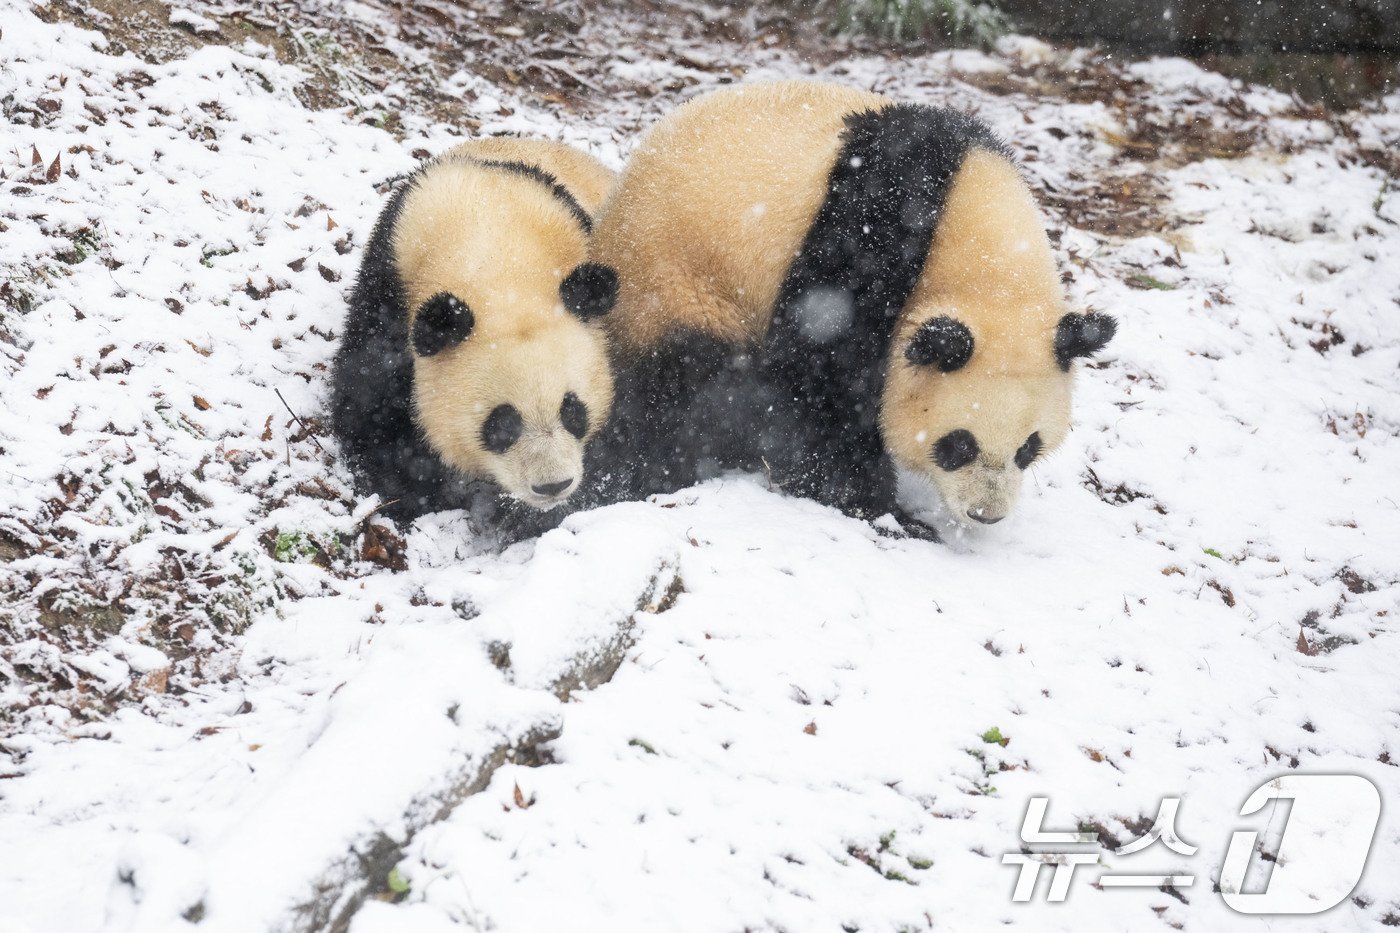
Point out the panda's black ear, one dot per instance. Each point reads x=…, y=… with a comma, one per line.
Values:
x=442, y=321
x=590, y=290
x=1082, y=335
x=942, y=342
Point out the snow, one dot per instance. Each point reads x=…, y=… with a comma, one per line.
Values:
x=720, y=709
x=193, y=20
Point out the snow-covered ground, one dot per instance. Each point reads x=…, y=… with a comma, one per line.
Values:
x=232, y=699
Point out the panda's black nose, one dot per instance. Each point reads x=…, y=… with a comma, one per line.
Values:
x=977, y=516
x=552, y=489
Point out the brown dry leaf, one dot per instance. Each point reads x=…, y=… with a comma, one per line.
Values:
x=156, y=681
x=810, y=728
x=1304, y=646
x=317, y=490
x=267, y=429
x=330, y=222
x=197, y=348
x=1226, y=595
x=520, y=800
x=201, y=403
x=36, y=159
x=1094, y=754
x=381, y=546
x=226, y=540
x=54, y=171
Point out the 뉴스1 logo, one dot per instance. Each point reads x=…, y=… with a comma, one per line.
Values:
x=1318, y=860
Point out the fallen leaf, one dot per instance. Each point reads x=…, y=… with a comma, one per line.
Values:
x=201, y=403
x=381, y=546
x=520, y=800
x=54, y=171
x=1304, y=646
x=810, y=728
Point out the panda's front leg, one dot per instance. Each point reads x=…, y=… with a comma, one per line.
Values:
x=843, y=464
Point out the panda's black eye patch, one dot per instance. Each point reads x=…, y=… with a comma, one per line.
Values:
x=573, y=414
x=443, y=320
x=1029, y=451
x=501, y=429
x=955, y=450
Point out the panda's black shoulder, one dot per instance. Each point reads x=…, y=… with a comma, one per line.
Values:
x=372, y=374
x=885, y=195
x=555, y=187
x=915, y=143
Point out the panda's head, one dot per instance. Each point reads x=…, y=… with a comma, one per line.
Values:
x=510, y=380
x=972, y=412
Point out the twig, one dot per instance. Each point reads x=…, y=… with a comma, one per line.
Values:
x=768, y=475
x=374, y=511
x=309, y=433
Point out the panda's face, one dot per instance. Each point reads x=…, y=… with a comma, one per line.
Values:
x=974, y=435
x=515, y=402
x=972, y=414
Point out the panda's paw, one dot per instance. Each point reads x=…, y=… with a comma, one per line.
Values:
x=514, y=522
x=902, y=525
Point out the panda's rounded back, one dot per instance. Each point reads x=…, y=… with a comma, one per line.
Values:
x=582, y=174
x=713, y=204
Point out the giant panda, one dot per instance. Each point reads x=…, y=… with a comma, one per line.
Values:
x=472, y=358
x=826, y=283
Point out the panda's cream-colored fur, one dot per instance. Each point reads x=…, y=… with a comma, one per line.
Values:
x=587, y=179
x=714, y=205
x=502, y=242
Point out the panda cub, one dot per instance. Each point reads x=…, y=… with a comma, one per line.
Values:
x=825, y=283
x=471, y=351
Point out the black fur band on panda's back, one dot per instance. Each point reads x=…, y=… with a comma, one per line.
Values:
x=870, y=241
x=555, y=186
